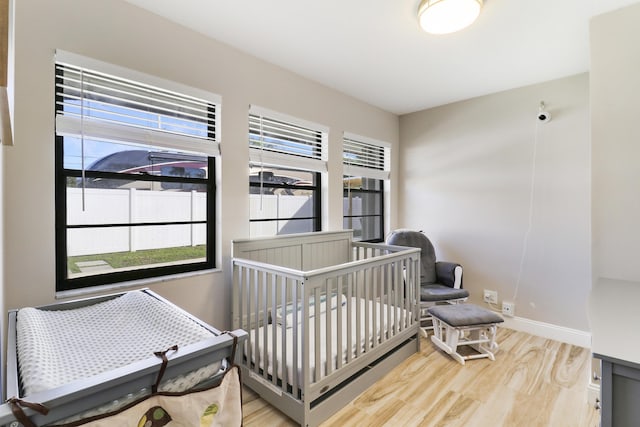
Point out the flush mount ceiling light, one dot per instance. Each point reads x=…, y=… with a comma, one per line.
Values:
x=447, y=16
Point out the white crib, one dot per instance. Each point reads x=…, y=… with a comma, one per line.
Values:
x=326, y=317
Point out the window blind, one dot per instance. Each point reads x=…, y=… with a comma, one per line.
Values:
x=284, y=141
x=365, y=157
x=98, y=105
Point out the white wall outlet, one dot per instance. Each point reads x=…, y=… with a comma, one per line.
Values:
x=508, y=308
x=490, y=296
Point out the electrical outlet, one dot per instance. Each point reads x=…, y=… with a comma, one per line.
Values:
x=490, y=296
x=508, y=308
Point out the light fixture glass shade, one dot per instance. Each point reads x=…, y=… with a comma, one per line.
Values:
x=447, y=16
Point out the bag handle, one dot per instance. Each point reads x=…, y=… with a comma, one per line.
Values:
x=165, y=361
x=16, y=406
x=163, y=367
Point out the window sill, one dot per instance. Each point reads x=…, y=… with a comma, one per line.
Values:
x=131, y=284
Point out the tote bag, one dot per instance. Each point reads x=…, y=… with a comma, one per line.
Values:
x=219, y=406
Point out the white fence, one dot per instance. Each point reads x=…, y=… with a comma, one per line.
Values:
x=280, y=206
x=123, y=206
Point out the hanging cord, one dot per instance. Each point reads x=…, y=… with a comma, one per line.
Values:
x=349, y=202
x=82, y=136
x=261, y=163
x=525, y=242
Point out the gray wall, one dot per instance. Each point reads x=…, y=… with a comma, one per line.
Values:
x=466, y=172
x=119, y=33
x=615, y=135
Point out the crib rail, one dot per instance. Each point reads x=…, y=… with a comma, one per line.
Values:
x=311, y=330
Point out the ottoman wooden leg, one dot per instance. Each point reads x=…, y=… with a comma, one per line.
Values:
x=465, y=324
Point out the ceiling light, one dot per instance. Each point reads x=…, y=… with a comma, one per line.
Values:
x=447, y=16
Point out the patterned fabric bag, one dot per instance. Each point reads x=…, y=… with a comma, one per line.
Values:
x=219, y=405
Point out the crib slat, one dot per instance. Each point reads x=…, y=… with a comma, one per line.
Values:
x=358, y=292
x=274, y=348
x=236, y=307
x=295, y=296
x=317, y=334
x=283, y=362
x=261, y=307
x=339, y=329
x=409, y=291
x=367, y=309
x=328, y=338
x=255, y=321
x=374, y=298
x=381, y=312
x=350, y=317
x=399, y=282
x=396, y=296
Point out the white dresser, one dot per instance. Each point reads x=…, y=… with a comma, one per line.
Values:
x=614, y=317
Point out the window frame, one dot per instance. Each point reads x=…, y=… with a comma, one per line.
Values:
x=376, y=167
x=317, y=202
x=348, y=194
x=144, y=272
x=278, y=158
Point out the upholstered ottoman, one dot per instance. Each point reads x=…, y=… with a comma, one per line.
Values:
x=456, y=325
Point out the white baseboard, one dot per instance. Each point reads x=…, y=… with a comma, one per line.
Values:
x=548, y=330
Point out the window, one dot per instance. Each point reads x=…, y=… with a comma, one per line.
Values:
x=286, y=162
x=135, y=175
x=366, y=168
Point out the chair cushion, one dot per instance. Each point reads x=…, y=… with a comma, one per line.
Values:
x=434, y=293
x=417, y=239
x=458, y=315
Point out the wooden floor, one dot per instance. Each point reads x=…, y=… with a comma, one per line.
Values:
x=533, y=382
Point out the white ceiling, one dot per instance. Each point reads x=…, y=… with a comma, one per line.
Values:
x=375, y=51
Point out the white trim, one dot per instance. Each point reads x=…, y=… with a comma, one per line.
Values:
x=72, y=59
x=593, y=395
x=263, y=157
x=365, y=139
x=265, y=112
x=351, y=170
x=104, y=131
x=548, y=330
x=138, y=283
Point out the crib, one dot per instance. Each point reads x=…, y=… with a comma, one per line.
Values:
x=90, y=387
x=326, y=317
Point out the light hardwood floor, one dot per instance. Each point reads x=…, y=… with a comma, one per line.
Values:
x=533, y=382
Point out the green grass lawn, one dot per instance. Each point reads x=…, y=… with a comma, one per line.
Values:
x=140, y=258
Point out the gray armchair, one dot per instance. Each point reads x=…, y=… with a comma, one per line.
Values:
x=440, y=281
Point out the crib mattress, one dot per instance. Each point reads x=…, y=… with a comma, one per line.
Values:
x=57, y=347
x=385, y=319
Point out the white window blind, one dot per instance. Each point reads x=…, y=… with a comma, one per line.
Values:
x=365, y=157
x=98, y=105
x=279, y=140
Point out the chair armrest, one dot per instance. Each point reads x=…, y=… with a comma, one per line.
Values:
x=449, y=274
